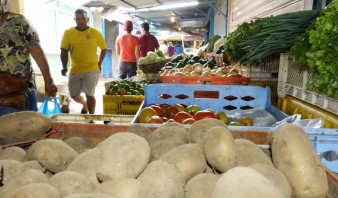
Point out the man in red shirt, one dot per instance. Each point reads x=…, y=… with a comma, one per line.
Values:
x=148, y=42
x=128, y=51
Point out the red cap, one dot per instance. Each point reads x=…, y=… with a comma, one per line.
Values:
x=128, y=25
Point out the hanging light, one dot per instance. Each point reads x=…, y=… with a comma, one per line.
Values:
x=172, y=19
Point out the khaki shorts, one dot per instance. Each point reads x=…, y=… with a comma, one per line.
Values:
x=84, y=82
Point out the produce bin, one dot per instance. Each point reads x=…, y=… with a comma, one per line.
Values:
x=85, y=118
x=292, y=105
x=266, y=70
x=212, y=80
x=118, y=104
x=226, y=98
x=292, y=81
x=93, y=134
x=273, y=88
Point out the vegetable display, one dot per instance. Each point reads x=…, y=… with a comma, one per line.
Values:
x=266, y=36
x=317, y=49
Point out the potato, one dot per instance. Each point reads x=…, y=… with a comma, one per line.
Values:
x=85, y=164
x=219, y=148
x=123, y=188
x=249, y=153
x=23, y=126
x=165, y=138
x=198, y=128
x=244, y=182
x=122, y=155
x=201, y=186
x=189, y=159
x=22, y=179
x=34, y=164
x=294, y=155
x=77, y=143
x=140, y=130
x=89, y=195
x=162, y=179
x=14, y=153
x=71, y=182
x=10, y=168
x=35, y=190
x=53, y=154
x=275, y=176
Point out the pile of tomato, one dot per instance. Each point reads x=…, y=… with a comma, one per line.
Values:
x=162, y=113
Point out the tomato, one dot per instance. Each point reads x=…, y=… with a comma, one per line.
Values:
x=155, y=119
x=146, y=114
x=199, y=115
x=188, y=121
x=182, y=115
x=246, y=121
x=158, y=109
x=172, y=111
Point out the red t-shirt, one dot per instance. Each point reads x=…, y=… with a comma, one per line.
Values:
x=148, y=43
x=127, y=44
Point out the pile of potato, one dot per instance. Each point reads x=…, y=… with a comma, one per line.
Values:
x=170, y=162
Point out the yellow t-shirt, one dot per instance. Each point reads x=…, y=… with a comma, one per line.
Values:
x=82, y=46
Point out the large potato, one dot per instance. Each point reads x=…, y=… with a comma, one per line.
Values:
x=249, y=153
x=89, y=195
x=71, y=182
x=34, y=164
x=197, y=129
x=23, y=126
x=54, y=154
x=219, y=148
x=201, y=186
x=294, y=155
x=22, y=179
x=122, y=155
x=162, y=179
x=10, y=168
x=77, y=143
x=244, y=182
x=140, y=130
x=189, y=159
x=275, y=176
x=85, y=164
x=165, y=138
x=123, y=188
x=14, y=153
x=35, y=190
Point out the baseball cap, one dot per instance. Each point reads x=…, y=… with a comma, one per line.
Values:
x=128, y=25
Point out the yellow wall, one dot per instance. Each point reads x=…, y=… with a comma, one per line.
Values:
x=16, y=6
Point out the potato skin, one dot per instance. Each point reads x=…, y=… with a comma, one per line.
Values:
x=23, y=126
x=201, y=186
x=197, y=129
x=219, y=148
x=244, y=182
x=294, y=155
x=189, y=159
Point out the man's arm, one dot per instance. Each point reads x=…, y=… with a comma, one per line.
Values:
x=64, y=61
x=137, y=52
x=117, y=47
x=40, y=58
x=102, y=55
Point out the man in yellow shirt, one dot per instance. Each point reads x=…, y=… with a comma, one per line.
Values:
x=81, y=42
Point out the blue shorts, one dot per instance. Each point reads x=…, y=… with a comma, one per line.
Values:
x=31, y=104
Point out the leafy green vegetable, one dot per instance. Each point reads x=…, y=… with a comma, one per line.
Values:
x=267, y=36
x=212, y=41
x=320, y=47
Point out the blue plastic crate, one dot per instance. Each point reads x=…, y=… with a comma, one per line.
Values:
x=227, y=98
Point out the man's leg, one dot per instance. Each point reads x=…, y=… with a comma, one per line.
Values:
x=91, y=104
x=74, y=85
x=88, y=87
x=81, y=100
